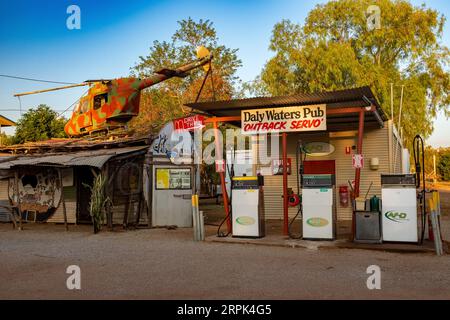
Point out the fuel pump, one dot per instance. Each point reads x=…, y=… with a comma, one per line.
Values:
x=296, y=199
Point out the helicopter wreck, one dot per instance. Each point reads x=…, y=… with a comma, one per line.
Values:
x=111, y=104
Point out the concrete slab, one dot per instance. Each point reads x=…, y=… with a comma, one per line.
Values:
x=282, y=241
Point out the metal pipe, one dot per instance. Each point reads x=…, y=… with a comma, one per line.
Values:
x=359, y=151
x=195, y=222
x=378, y=117
x=392, y=101
x=285, y=188
x=400, y=111
x=202, y=225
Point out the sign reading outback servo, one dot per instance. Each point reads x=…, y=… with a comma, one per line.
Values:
x=286, y=119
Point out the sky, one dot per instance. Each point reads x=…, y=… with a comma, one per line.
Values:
x=36, y=43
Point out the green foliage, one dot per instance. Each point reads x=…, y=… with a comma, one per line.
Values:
x=6, y=140
x=335, y=50
x=165, y=101
x=443, y=165
x=182, y=49
x=98, y=202
x=39, y=124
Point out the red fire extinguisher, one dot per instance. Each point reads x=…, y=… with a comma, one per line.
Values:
x=343, y=196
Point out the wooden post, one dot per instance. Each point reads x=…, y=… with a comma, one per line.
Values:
x=127, y=211
x=139, y=209
x=149, y=173
x=16, y=187
x=63, y=200
x=141, y=191
x=358, y=170
x=129, y=200
x=107, y=192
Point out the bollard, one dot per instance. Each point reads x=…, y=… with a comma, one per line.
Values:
x=202, y=226
x=435, y=226
x=195, y=221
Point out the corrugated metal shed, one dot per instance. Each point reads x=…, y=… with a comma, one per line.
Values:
x=92, y=158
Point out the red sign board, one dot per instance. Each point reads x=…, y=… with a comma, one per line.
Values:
x=189, y=123
x=285, y=119
x=358, y=161
x=319, y=167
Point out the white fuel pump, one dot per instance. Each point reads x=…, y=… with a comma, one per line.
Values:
x=318, y=207
x=248, y=207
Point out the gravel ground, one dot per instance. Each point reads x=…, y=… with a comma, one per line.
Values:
x=167, y=264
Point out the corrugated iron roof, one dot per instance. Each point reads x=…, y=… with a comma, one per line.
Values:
x=326, y=97
x=92, y=158
x=79, y=144
x=5, y=122
x=342, y=98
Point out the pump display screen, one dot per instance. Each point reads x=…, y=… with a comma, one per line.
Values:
x=173, y=179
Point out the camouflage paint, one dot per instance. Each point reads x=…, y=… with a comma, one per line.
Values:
x=123, y=98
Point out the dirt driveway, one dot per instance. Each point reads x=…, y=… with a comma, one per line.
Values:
x=167, y=264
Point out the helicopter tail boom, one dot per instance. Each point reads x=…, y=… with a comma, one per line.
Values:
x=183, y=71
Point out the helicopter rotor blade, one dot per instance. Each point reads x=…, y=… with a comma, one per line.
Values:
x=52, y=89
x=99, y=80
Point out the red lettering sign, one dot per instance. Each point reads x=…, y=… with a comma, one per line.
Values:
x=189, y=123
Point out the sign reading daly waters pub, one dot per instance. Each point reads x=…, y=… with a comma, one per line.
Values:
x=286, y=119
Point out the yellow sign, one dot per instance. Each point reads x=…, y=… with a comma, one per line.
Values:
x=162, y=178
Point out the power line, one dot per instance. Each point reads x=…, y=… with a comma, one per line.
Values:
x=36, y=80
x=18, y=110
x=61, y=113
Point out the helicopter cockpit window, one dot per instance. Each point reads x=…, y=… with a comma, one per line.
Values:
x=100, y=100
x=84, y=106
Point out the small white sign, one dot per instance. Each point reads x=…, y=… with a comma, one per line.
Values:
x=358, y=161
x=67, y=177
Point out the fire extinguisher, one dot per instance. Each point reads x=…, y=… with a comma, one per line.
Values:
x=294, y=200
x=343, y=196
